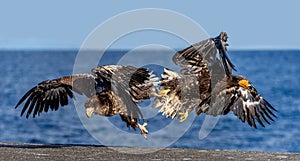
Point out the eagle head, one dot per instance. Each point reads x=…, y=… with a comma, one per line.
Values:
x=94, y=105
x=239, y=81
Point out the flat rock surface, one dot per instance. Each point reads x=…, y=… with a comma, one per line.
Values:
x=22, y=151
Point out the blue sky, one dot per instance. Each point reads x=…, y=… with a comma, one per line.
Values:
x=66, y=24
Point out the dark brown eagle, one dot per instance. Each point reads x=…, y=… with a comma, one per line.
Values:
x=110, y=90
x=206, y=83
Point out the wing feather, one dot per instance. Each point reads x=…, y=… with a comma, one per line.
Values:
x=47, y=105
x=206, y=50
x=194, y=54
x=33, y=101
x=27, y=102
x=26, y=95
x=250, y=106
x=53, y=94
x=257, y=117
x=129, y=83
x=37, y=104
x=264, y=118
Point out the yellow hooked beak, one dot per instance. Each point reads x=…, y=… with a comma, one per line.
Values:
x=89, y=112
x=244, y=83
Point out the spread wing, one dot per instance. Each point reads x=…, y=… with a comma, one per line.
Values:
x=220, y=42
x=54, y=93
x=207, y=50
x=245, y=103
x=207, y=76
x=128, y=84
x=249, y=106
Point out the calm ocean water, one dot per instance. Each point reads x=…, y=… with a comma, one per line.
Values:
x=275, y=75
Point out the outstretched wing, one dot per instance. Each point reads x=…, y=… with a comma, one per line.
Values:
x=206, y=50
x=245, y=103
x=127, y=84
x=54, y=93
x=221, y=44
x=249, y=106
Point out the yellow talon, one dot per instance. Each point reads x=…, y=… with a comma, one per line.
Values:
x=164, y=92
x=143, y=129
x=89, y=112
x=183, y=116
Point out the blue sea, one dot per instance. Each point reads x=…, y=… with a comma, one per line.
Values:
x=274, y=73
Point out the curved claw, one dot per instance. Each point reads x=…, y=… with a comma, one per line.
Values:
x=143, y=129
x=164, y=92
x=183, y=116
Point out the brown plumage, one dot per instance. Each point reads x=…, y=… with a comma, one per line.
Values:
x=205, y=83
x=110, y=90
x=238, y=95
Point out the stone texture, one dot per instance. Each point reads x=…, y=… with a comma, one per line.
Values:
x=22, y=151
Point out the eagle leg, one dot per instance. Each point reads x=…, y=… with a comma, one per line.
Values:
x=164, y=92
x=143, y=129
x=183, y=116
x=133, y=122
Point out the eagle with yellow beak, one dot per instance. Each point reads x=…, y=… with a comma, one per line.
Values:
x=206, y=84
